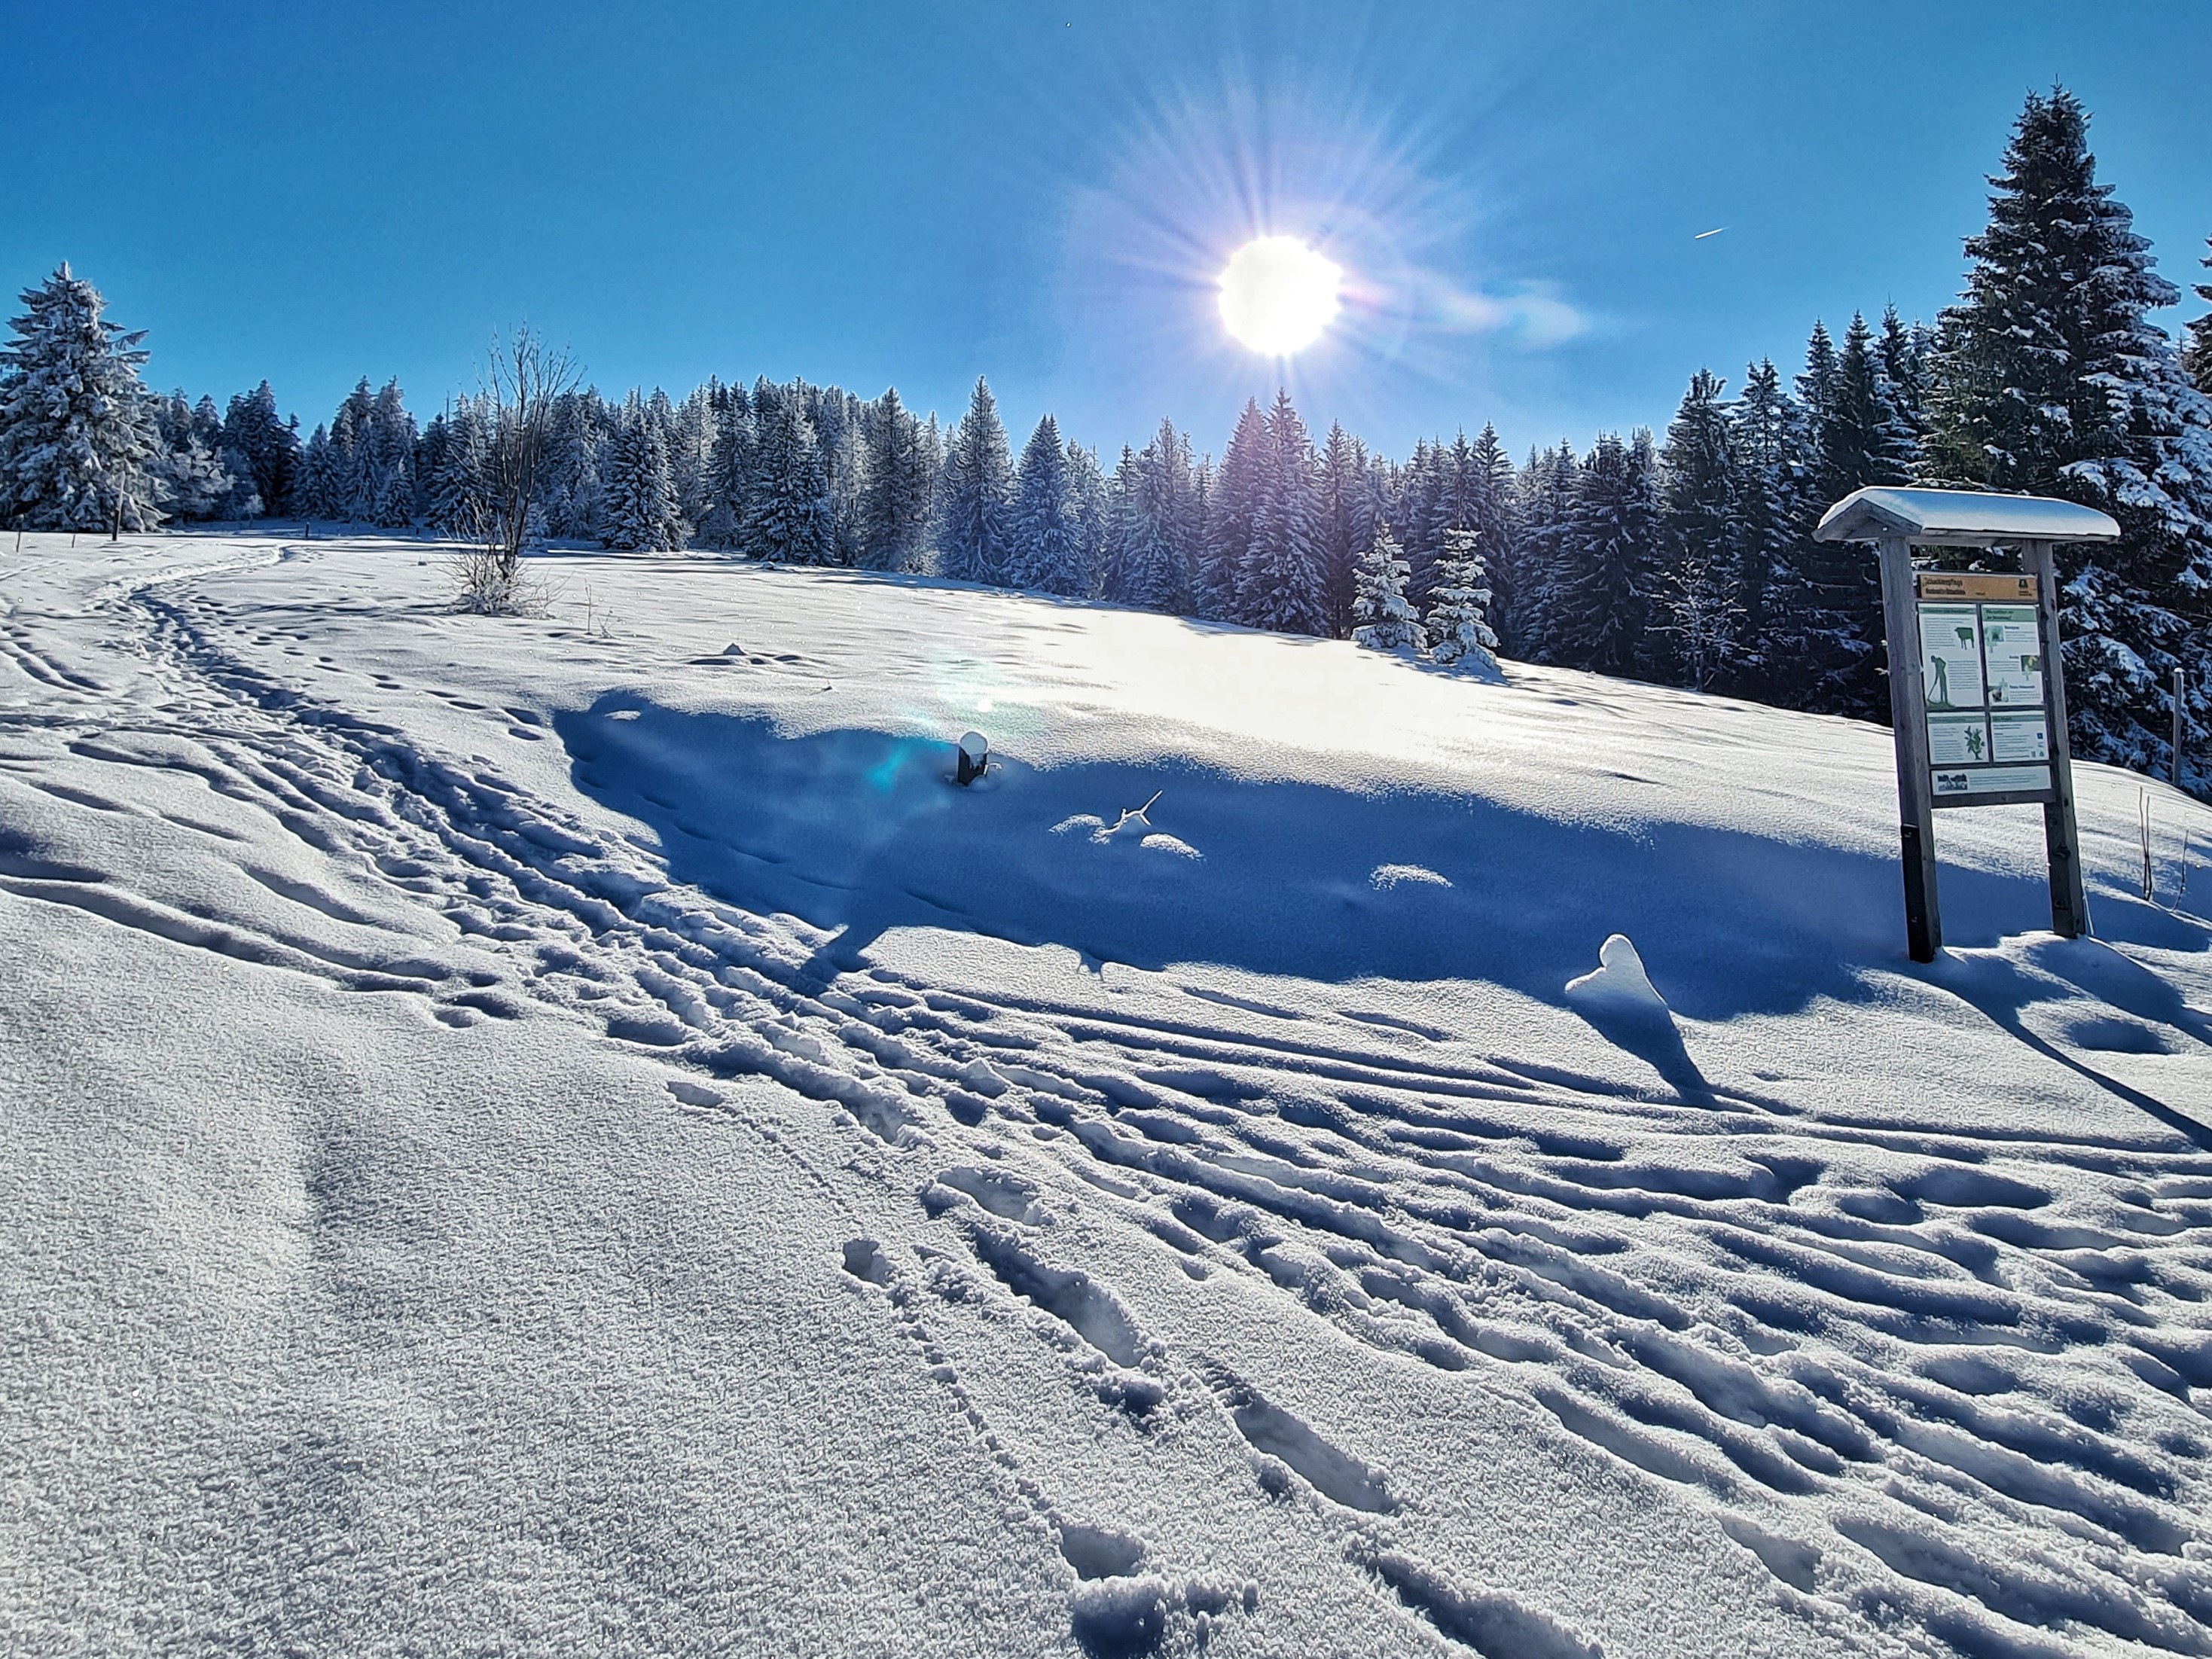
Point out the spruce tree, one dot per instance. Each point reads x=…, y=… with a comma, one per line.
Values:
x=1491, y=515
x=1699, y=614
x=1545, y=497
x=2197, y=356
x=1087, y=489
x=1127, y=528
x=1282, y=586
x=1343, y=488
x=77, y=441
x=459, y=503
x=574, y=495
x=1235, y=503
x=893, y=504
x=1905, y=362
x=1383, y=619
x=642, y=515
x=352, y=455
x=975, y=495
x=1044, y=554
x=2051, y=379
x=1601, y=601
x=1457, y=621
x=1159, y=567
x=1861, y=436
x=391, y=467
x=268, y=444
x=195, y=483
x=312, y=492
x=1417, y=514
x=789, y=518
x=1701, y=494
x=1762, y=423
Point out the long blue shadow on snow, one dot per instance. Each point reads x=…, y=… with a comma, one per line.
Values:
x=2003, y=990
x=862, y=831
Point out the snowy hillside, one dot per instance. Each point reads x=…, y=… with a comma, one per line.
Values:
x=577, y=1137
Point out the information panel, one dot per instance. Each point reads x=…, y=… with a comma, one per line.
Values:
x=1981, y=673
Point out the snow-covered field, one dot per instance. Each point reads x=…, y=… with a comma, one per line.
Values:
x=528, y=1139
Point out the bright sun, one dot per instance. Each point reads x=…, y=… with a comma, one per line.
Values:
x=1278, y=294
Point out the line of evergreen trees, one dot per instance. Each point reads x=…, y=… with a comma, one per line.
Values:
x=1687, y=559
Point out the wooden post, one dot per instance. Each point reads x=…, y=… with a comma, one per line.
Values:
x=1908, y=716
x=2061, y=840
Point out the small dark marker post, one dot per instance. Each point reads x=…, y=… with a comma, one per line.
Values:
x=974, y=758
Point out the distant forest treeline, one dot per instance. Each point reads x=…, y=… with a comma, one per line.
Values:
x=1687, y=559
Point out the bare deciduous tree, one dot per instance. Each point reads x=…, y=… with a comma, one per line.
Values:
x=523, y=380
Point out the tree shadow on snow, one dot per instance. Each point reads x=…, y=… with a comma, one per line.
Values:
x=860, y=831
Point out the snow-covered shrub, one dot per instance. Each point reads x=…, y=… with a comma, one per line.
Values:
x=485, y=585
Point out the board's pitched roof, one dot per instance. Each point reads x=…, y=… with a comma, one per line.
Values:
x=1961, y=518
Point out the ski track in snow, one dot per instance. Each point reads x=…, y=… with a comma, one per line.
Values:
x=1939, y=1403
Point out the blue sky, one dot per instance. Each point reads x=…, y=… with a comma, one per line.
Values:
x=911, y=194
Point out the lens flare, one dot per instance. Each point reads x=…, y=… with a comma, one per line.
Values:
x=1277, y=296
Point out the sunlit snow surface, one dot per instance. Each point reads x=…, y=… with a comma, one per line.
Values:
x=593, y=1144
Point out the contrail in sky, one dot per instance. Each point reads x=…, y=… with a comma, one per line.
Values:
x=1702, y=234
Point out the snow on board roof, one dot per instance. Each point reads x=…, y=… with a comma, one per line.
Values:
x=1961, y=518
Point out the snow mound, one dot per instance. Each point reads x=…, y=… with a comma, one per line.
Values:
x=1619, y=981
x=1387, y=875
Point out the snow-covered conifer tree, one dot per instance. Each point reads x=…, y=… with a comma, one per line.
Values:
x=788, y=519
x=642, y=512
x=1544, y=497
x=574, y=493
x=390, y=443
x=1343, y=487
x=352, y=459
x=1087, y=489
x=1699, y=611
x=975, y=495
x=1044, y=554
x=1699, y=492
x=1417, y=515
x=1160, y=565
x=1233, y=506
x=1457, y=621
x=269, y=446
x=197, y=482
x=77, y=442
x=2051, y=378
x=1491, y=515
x=1282, y=586
x=1762, y=423
x=2197, y=356
x=1383, y=617
x=1602, y=603
x=460, y=489
x=893, y=504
